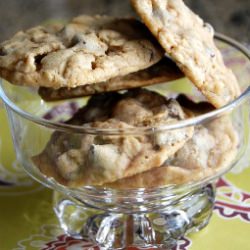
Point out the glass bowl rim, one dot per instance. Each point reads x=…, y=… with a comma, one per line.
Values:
x=140, y=130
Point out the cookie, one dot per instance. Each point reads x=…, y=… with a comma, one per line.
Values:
x=189, y=42
x=211, y=150
x=213, y=145
x=164, y=71
x=95, y=159
x=209, y=147
x=89, y=49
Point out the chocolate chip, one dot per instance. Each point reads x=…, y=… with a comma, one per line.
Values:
x=157, y=147
x=76, y=40
x=93, y=65
x=38, y=60
x=2, y=52
x=113, y=49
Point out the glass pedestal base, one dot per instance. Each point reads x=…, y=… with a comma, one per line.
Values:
x=160, y=229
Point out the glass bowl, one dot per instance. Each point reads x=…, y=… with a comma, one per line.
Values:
x=172, y=197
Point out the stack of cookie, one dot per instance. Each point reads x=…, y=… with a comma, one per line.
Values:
x=98, y=56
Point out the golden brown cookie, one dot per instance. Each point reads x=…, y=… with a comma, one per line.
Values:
x=211, y=150
x=212, y=146
x=95, y=159
x=89, y=49
x=163, y=71
x=189, y=42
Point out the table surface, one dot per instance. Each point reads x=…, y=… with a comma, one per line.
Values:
x=28, y=222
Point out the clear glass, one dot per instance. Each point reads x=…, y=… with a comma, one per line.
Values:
x=154, y=208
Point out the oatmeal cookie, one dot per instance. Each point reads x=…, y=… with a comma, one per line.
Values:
x=212, y=146
x=189, y=42
x=211, y=150
x=95, y=159
x=164, y=71
x=89, y=49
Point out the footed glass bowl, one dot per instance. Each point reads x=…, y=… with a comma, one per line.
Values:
x=172, y=196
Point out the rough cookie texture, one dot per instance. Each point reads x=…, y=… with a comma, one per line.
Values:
x=87, y=50
x=211, y=150
x=86, y=159
x=164, y=71
x=189, y=42
x=211, y=147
